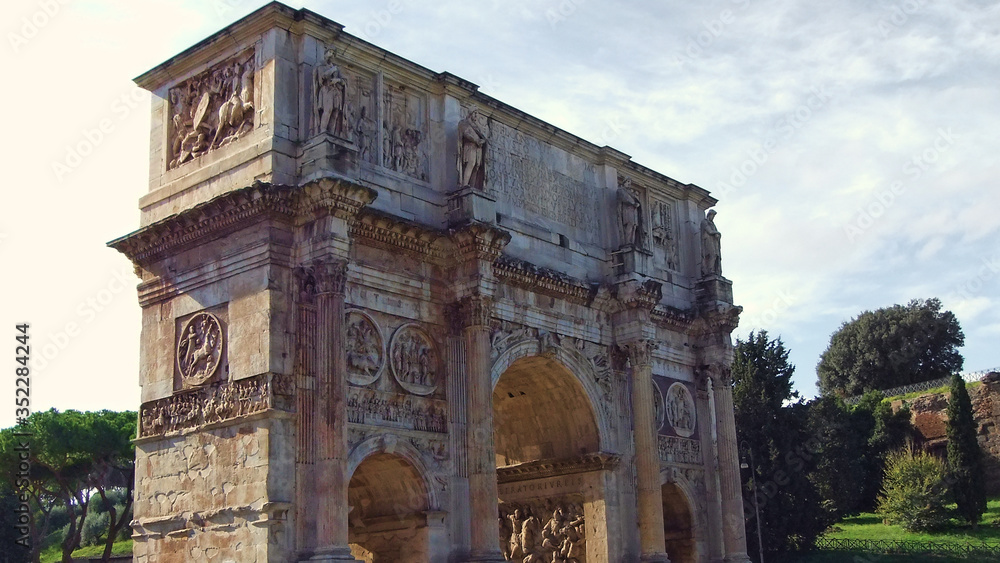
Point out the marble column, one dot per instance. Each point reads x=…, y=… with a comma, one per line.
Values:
x=484, y=515
x=734, y=531
x=331, y=428
x=649, y=495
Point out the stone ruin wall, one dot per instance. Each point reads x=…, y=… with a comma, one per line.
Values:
x=929, y=417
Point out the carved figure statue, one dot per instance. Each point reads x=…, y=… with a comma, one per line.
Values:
x=330, y=89
x=629, y=210
x=562, y=537
x=472, y=135
x=362, y=137
x=680, y=410
x=711, y=246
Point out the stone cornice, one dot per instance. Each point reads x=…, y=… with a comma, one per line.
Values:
x=479, y=241
x=557, y=467
x=376, y=228
x=240, y=208
x=721, y=319
x=640, y=295
x=670, y=318
x=518, y=273
x=338, y=197
x=215, y=218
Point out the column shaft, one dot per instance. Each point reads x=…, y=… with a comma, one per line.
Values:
x=484, y=513
x=647, y=459
x=331, y=428
x=734, y=531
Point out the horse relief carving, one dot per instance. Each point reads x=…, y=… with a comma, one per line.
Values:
x=529, y=533
x=211, y=109
x=199, y=348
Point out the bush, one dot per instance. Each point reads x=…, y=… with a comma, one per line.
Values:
x=95, y=529
x=914, y=491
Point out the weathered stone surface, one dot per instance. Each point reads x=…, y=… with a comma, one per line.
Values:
x=929, y=417
x=382, y=311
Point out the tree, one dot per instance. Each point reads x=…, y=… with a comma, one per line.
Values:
x=965, y=457
x=772, y=427
x=890, y=347
x=841, y=460
x=853, y=444
x=914, y=492
x=72, y=455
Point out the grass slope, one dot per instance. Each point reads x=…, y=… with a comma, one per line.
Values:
x=867, y=526
x=53, y=554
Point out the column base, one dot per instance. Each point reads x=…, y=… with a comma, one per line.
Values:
x=654, y=558
x=738, y=558
x=330, y=554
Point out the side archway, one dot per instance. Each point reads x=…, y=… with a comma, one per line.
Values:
x=682, y=526
x=391, y=514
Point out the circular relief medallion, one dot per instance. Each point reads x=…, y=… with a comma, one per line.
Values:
x=680, y=410
x=658, y=414
x=414, y=360
x=199, y=349
x=365, y=349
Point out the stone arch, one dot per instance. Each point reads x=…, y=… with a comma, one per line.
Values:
x=390, y=444
x=577, y=367
x=683, y=523
x=391, y=515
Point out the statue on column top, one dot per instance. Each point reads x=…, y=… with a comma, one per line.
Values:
x=630, y=212
x=711, y=246
x=330, y=90
x=472, y=134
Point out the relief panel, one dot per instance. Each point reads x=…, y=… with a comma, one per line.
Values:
x=544, y=530
x=404, y=131
x=211, y=109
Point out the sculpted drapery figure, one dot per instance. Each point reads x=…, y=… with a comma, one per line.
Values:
x=711, y=246
x=629, y=208
x=331, y=94
x=472, y=134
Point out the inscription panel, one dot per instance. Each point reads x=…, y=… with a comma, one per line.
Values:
x=519, y=172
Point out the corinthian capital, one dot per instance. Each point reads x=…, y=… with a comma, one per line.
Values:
x=471, y=311
x=719, y=373
x=326, y=276
x=640, y=353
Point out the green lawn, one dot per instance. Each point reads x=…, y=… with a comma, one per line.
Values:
x=855, y=557
x=869, y=526
x=53, y=554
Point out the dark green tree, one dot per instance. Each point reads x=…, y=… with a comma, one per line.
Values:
x=965, y=457
x=890, y=347
x=890, y=432
x=12, y=548
x=841, y=461
x=73, y=455
x=771, y=425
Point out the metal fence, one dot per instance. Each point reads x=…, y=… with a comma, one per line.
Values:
x=909, y=547
x=969, y=377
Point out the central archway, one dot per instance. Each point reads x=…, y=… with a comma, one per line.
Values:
x=551, y=472
x=540, y=411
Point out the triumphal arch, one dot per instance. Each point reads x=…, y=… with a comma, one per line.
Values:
x=388, y=318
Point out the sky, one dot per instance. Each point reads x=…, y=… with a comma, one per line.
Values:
x=852, y=146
